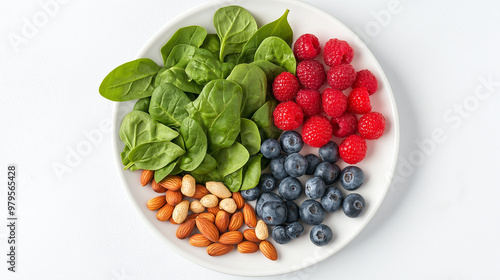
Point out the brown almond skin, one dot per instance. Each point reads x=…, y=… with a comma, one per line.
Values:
x=173, y=197
x=249, y=215
x=213, y=210
x=156, y=203
x=240, y=201
x=208, y=216
x=198, y=240
x=208, y=229
x=218, y=249
x=236, y=221
x=247, y=247
x=250, y=235
x=192, y=216
x=267, y=248
x=222, y=221
x=185, y=229
x=171, y=220
x=146, y=176
x=165, y=212
x=157, y=187
x=200, y=192
x=231, y=237
x=171, y=182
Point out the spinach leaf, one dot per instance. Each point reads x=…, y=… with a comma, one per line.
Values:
x=250, y=137
x=154, y=155
x=264, y=120
x=212, y=44
x=214, y=175
x=163, y=172
x=252, y=172
x=182, y=54
x=179, y=78
x=204, y=68
x=277, y=51
x=231, y=159
x=279, y=28
x=253, y=82
x=138, y=127
x=167, y=105
x=207, y=165
x=234, y=26
x=272, y=70
x=129, y=81
x=191, y=35
x=233, y=180
x=195, y=141
x=142, y=104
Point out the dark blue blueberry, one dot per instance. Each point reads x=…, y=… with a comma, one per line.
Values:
x=329, y=152
x=332, y=199
x=251, y=194
x=329, y=172
x=267, y=182
x=279, y=235
x=270, y=148
x=264, y=197
x=312, y=163
x=273, y=212
x=351, y=178
x=311, y=212
x=294, y=230
x=291, y=142
x=292, y=212
x=290, y=188
x=321, y=235
x=295, y=165
x=278, y=167
x=315, y=187
x=353, y=205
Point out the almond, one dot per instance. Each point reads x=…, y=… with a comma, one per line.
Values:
x=173, y=197
x=192, y=216
x=247, y=247
x=181, y=211
x=222, y=221
x=208, y=229
x=218, y=249
x=156, y=187
x=236, y=221
x=165, y=212
x=146, y=176
x=261, y=230
x=171, y=183
x=196, y=206
x=185, y=229
x=249, y=215
x=213, y=210
x=250, y=235
x=198, y=240
x=188, y=185
x=200, y=192
x=156, y=203
x=218, y=189
x=171, y=220
x=231, y=237
x=228, y=205
x=240, y=201
x=208, y=216
x=209, y=201
x=267, y=248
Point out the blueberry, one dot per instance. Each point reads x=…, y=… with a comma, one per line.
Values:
x=292, y=212
x=312, y=162
x=353, y=205
x=264, y=197
x=329, y=172
x=270, y=148
x=267, y=182
x=311, y=212
x=315, y=188
x=279, y=235
x=321, y=235
x=329, y=152
x=294, y=230
x=273, y=212
x=251, y=194
x=332, y=199
x=290, y=188
x=351, y=178
x=296, y=165
x=291, y=142
x=278, y=167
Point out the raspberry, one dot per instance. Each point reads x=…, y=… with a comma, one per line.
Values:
x=334, y=102
x=337, y=52
x=365, y=78
x=306, y=47
x=358, y=101
x=344, y=125
x=341, y=76
x=285, y=86
x=371, y=125
x=310, y=101
x=288, y=116
x=317, y=131
x=311, y=74
x=353, y=149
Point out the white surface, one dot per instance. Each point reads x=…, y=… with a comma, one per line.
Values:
x=439, y=220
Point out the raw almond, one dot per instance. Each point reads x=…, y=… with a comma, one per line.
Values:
x=198, y=240
x=218, y=249
x=156, y=203
x=165, y=212
x=192, y=216
x=249, y=215
x=171, y=182
x=247, y=247
x=188, y=185
x=208, y=229
x=240, y=201
x=209, y=201
x=261, y=230
x=208, y=216
x=173, y=197
x=200, y=192
x=267, y=248
x=228, y=205
x=181, y=211
x=213, y=210
x=185, y=229
x=231, y=237
x=146, y=176
x=236, y=221
x=218, y=189
x=222, y=221
x=156, y=187
x=171, y=220
x=250, y=235
x=196, y=206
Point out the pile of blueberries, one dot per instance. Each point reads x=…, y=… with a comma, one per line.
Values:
x=280, y=210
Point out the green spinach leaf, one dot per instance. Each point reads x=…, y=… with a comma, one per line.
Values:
x=263, y=118
x=253, y=82
x=233, y=181
x=250, y=136
x=231, y=159
x=138, y=127
x=163, y=172
x=251, y=173
x=272, y=70
x=154, y=155
x=191, y=35
x=204, y=68
x=277, y=51
x=195, y=141
x=207, y=165
x=179, y=78
x=182, y=54
x=214, y=175
x=142, y=104
x=212, y=44
x=167, y=105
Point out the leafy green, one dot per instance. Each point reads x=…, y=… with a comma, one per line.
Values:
x=182, y=54
x=138, y=127
x=191, y=35
x=179, y=78
x=231, y=159
x=272, y=70
x=207, y=165
x=166, y=170
x=142, y=104
x=154, y=155
x=195, y=142
x=204, y=68
x=253, y=82
x=233, y=180
x=167, y=105
x=250, y=137
x=214, y=175
x=251, y=173
x=277, y=51
x=212, y=44
x=263, y=118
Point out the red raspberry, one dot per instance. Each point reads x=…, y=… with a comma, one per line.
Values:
x=344, y=125
x=353, y=149
x=311, y=74
x=317, y=131
x=358, y=101
x=285, y=86
x=337, y=52
x=365, y=78
x=306, y=47
x=334, y=102
x=371, y=125
x=288, y=116
x=341, y=76
x=310, y=101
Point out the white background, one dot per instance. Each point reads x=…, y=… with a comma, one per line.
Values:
x=440, y=219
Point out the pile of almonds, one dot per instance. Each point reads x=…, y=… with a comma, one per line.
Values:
x=214, y=213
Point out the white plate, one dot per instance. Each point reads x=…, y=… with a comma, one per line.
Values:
x=378, y=165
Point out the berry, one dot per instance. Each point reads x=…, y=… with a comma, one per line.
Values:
x=306, y=47
x=337, y=52
x=328, y=172
x=291, y=142
x=344, y=125
x=352, y=177
x=353, y=205
x=311, y=74
x=292, y=212
x=332, y=199
x=321, y=235
x=353, y=149
x=311, y=212
x=279, y=235
x=365, y=78
x=288, y=116
x=278, y=167
x=285, y=86
x=251, y=194
x=334, y=102
x=310, y=101
x=371, y=125
x=265, y=197
x=273, y=212
x=341, y=76
x=329, y=152
x=294, y=230
x=358, y=101
x=270, y=148
x=295, y=165
x=317, y=131
x=267, y=182
x=290, y=188
x=312, y=163
x=315, y=187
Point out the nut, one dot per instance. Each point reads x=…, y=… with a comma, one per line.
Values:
x=196, y=207
x=146, y=176
x=171, y=183
x=261, y=230
x=188, y=185
x=222, y=221
x=218, y=249
x=228, y=205
x=165, y=212
x=200, y=192
x=267, y=248
x=173, y=197
x=180, y=211
x=185, y=229
x=198, y=240
x=249, y=215
x=236, y=221
x=247, y=247
x=250, y=235
x=157, y=187
x=156, y=203
x=209, y=201
x=213, y=210
x=218, y=189
x=208, y=229
x=231, y=237
x=208, y=216
x=240, y=201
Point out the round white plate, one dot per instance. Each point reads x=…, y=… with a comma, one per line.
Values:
x=378, y=165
